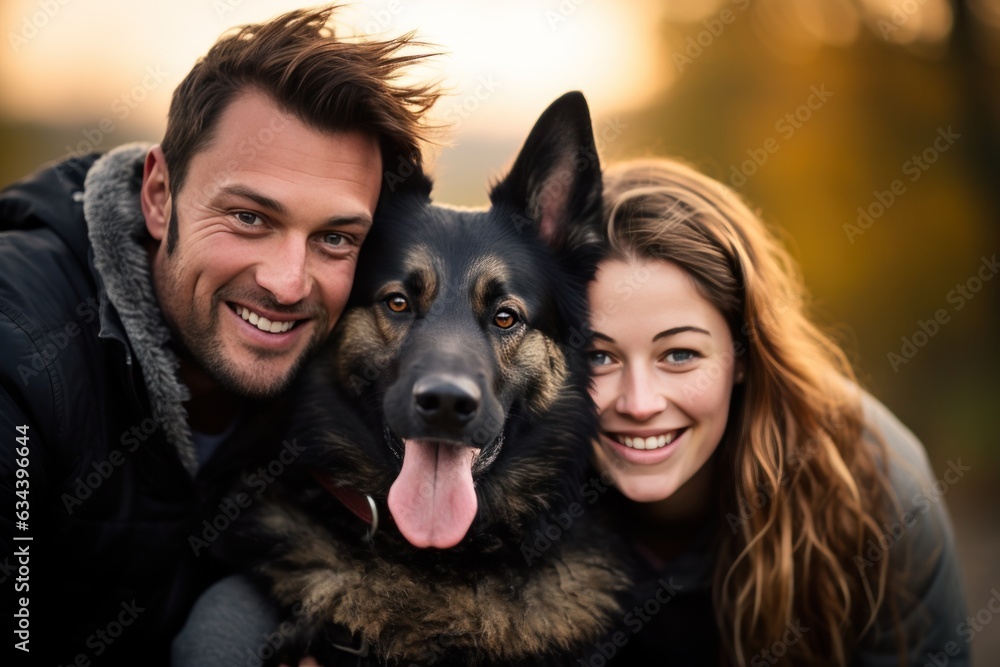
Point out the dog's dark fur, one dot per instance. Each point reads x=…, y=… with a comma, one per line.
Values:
x=534, y=580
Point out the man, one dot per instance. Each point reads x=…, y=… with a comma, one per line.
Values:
x=154, y=305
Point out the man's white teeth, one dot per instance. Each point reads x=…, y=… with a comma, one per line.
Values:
x=652, y=442
x=263, y=323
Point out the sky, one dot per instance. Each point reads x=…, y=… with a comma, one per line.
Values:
x=110, y=66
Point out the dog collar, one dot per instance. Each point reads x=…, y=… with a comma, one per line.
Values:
x=361, y=505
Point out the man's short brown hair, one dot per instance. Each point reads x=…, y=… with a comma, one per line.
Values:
x=330, y=84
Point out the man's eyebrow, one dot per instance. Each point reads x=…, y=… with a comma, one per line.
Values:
x=274, y=205
x=256, y=197
x=344, y=220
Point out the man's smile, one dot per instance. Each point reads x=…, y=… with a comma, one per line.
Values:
x=275, y=333
x=265, y=321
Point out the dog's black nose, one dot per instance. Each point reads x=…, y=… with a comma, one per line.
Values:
x=446, y=401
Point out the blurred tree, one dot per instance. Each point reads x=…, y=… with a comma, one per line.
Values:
x=815, y=111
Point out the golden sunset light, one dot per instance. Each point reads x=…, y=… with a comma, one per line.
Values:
x=110, y=66
x=864, y=135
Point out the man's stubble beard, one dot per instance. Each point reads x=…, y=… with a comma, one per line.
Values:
x=203, y=344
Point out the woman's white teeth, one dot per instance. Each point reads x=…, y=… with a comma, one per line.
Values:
x=263, y=323
x=652, y=442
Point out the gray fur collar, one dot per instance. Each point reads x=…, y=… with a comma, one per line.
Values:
x=117, y=230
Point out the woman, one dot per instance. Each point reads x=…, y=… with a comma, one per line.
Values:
x=782, y=515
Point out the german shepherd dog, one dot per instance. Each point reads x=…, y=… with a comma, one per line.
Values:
x=436, y=514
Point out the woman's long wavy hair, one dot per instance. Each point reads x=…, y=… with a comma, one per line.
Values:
x=804, y=489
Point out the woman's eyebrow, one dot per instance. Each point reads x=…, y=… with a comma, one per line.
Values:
x=677, y=330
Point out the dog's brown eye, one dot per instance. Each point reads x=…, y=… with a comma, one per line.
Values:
x=397, y=303
x=504, y=319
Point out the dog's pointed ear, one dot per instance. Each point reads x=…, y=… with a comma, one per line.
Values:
x=554, y=186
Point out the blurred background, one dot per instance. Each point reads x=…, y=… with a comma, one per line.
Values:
x=866, y=131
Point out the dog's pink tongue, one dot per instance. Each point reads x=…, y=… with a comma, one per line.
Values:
x=433, y=500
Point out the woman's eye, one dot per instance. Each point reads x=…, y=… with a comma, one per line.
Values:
x=598, y=358
x=249, y=219
x=504, y=318
x=397, y=303
x=678, y=357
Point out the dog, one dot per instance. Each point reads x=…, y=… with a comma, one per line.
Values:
x=435, y=516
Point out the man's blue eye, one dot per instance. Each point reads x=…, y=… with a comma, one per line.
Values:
x=334, y=239
x=248, y=218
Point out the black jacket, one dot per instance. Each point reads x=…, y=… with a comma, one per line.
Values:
x=97, y=458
